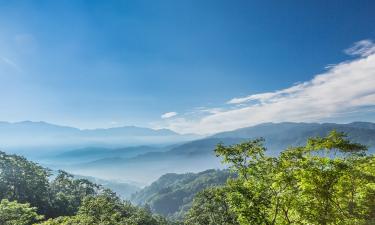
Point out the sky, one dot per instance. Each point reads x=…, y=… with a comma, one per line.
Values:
x=191, y=66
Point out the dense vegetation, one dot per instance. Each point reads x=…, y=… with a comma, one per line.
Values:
x=329, y=180
x=172, y=194
x=29, y=196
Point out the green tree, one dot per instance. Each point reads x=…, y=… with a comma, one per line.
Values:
x=252, y=195
x=331, y=189
x=172, y=194
x=108, y=209
x=210, y=207
x=24, y=181
x=330, y=180
x=65, y=200
x=14, y=213
x=67, y=193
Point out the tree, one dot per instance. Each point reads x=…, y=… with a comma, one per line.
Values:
x=67, y=193
x=252, y=195
x=210, y=207
x=65, y=200
x=14, y=213
x=172, y=194
x=330, y=180
x=24, y=181
x=108, y=209
x=332, y=189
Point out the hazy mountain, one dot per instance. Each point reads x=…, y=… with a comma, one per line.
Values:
x=365, y=125
x=281, y=135
x=198, y=155
x=29, y=135
x=96, y=153
x=122, y=189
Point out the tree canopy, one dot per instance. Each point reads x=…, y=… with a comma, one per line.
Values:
x=330, y=180
x=14, y=213
x=172, y=194
x=30, y=196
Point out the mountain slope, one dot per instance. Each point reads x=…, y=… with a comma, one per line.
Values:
x=172, y=194
x=122, y=189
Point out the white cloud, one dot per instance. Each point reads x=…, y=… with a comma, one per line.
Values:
x=168, y=115
x=343, y=88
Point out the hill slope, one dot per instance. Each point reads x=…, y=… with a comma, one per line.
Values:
x=172, y=194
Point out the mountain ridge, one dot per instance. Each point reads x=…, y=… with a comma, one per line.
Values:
x=198, y=155
x=29, y=135
x=47, y=124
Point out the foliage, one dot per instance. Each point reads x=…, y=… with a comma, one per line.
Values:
x=330, y=180
x=107, y=209
x=68, y=193
x=210, y=207
x=172, y=194
x=24, y=181
x=64, y=200
x=27, y=182
x=14, y=213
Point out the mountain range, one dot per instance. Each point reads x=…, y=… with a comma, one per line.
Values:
x=198, y=155
x=28, y=135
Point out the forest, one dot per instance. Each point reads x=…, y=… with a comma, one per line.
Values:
x=172, y=194
x=328, y=180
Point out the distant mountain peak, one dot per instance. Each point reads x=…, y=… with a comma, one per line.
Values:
x=43, y=123
x=32, y=134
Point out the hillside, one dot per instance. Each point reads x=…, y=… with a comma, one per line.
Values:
x=29, y=195
x=122, y=189
x=172, y=194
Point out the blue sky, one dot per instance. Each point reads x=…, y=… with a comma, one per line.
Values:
x=110, y=63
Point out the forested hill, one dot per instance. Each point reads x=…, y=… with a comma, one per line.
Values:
x=28, y=196
x=172, y=194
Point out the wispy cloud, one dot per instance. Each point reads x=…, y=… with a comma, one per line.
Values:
x=269, y=96
x=362, y=48
x=10, y=63
x=343, y=88
x=168, y=115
